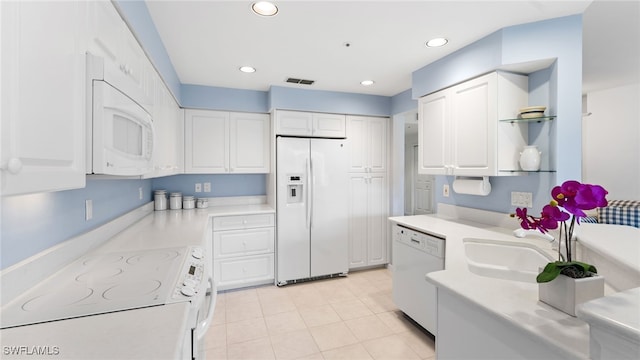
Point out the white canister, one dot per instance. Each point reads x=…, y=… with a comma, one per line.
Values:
x=160, y=200
x=188, y=202
x=530, y=158
x=175, y=201
x=202, y=203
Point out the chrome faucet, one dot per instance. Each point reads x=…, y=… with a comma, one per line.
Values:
x=520, y=233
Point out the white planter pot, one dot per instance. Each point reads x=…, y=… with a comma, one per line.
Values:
x=564, y=293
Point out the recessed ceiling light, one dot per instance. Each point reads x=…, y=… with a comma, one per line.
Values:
x=264, y=8
x=247, y=69
x=366, y=82
x=437, y=42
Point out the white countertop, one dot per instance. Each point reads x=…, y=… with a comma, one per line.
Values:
x=618, y=314
x=512, y=301
x=172, y=228
x=614, y=241
x=149, y=333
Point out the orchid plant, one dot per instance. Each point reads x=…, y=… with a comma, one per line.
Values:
x=568, y=203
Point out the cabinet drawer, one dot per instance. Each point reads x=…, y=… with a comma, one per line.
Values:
x=243, y=242
x=243, y=271
x=243, y=222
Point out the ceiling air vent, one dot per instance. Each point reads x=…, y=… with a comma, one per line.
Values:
x=300, y=81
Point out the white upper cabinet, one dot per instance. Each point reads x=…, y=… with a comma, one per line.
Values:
x=458, y=126
x=218, y=142
x=125, y=61
x=168, y=121
x=43, y=96
x=296, y=123
x=367, y=139
x=249, y=143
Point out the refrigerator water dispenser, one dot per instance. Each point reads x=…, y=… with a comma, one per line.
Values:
x=294, y=189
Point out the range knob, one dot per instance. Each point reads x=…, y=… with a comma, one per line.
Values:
x=197, y=253
x=190, y=283
x=188, y=291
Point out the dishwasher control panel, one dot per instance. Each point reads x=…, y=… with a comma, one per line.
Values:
x=428, y=243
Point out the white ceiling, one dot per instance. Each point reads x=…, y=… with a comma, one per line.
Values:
x=208, y=41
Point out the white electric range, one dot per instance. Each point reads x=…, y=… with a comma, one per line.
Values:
x=118, y=281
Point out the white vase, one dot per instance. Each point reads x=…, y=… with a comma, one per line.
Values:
x=564, y=293
x=530, y=158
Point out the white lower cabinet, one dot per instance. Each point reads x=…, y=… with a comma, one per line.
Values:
x=243, y=250
x=368, y=211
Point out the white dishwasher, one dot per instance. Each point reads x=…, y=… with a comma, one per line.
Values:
x=414, y=255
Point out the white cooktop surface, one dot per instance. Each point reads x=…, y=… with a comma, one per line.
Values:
x=98, y=284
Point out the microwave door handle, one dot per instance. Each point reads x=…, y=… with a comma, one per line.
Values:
x=202, y=328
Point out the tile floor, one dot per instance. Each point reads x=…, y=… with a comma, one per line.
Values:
x=342, y=318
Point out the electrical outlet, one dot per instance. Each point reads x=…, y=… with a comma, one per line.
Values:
x=140, y=195
x=198, y=187
x=88, y=210
x=207, y=187
x=445, y=190
x=521, y=199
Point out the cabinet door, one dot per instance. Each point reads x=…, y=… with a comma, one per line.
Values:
x=377, y=214
x=206, y=142
x=43, y=96
x=377, y=147
x=243, y=271
x=294, y=123
x=367, y=139
x=235, y=243
x=329, y=125
x=136, y=66
x=474, y=116
x=105, y=30
x=249, y=141
x=357, y=131
x=433, y=139
x=168, y=123
x=358, y=220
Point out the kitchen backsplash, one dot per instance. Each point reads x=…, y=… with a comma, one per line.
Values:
x=33, y=223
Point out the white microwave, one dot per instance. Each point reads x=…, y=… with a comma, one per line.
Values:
x=120, y=134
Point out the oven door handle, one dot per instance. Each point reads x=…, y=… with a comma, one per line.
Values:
x=202, y=328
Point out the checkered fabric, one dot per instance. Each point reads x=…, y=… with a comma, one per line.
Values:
x=620, y=212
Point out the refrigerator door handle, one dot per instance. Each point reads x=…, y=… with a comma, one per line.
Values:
x=309, y=194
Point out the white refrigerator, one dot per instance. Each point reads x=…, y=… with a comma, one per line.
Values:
x=312, y=208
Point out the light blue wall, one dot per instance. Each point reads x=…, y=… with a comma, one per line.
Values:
x=403, y=102
x=329, y=101
x=562, y=39
x=217, y=98
x=33, y=223
x=476, y=59
x=559, y=87
x=221, y=185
